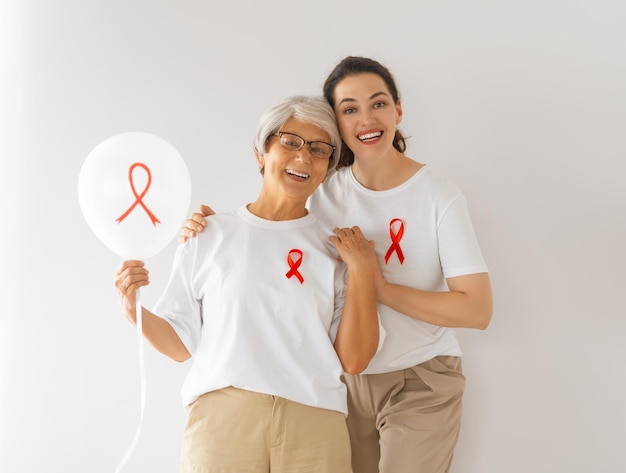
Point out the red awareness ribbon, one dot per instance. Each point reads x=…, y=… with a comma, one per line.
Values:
x=395, y=241
x=139, y=197
x=294, y=265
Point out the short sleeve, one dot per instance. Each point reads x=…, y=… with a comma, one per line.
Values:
x=459, y=251
x=178, y=304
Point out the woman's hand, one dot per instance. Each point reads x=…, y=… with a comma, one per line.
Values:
x=195, y=224
x=129, y=277
x=354, y=249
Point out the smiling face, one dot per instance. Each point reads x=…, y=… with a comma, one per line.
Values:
x=293, y=175
x=366, y=114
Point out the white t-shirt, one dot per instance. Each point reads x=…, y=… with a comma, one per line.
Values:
x=425, y=223
x=256, y=314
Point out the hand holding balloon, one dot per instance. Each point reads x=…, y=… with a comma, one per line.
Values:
x=129, y=277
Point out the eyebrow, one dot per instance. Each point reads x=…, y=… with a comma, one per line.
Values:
x=373, y=96
x=322, y=140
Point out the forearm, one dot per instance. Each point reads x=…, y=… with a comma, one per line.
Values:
x=129, y=278
x=468, y=303
x=358, y=334
x=161, y=335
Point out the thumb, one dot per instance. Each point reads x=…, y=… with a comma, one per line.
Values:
x=206, y=210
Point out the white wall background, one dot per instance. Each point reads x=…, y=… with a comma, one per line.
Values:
x=521, y=103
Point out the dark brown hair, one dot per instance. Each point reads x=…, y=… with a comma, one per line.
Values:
x=352, y=66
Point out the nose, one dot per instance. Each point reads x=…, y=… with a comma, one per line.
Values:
x=367, y=116
x=304, y=154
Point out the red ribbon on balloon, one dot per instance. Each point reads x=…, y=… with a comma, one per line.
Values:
x=395, y=240
x=294, y=264
x=139, y=197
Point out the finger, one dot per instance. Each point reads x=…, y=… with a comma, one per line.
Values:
x=136, y=273
x=128, y=264
x=343, y=231
x=337, y=243
x=206, y=210
x=194, y=225
x=336, y=238
x=134, y=263
x=131, y=282
x=357, y=231
x=187, y=232
x=133, y=270
x=196, y=222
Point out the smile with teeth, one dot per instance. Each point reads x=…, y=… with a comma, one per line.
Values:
x=303, y=175
x=369, y=136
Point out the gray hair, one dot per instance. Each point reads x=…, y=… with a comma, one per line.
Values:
x=307, y=109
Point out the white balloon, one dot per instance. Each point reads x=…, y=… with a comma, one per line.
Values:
x=134, y=191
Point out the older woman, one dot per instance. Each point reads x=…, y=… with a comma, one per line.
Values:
x=273, y=306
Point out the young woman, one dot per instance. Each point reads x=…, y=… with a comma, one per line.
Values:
x=260, y=303
x=405, y=409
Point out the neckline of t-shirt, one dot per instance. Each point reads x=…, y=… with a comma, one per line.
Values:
x=394, y=190
x=249, y=217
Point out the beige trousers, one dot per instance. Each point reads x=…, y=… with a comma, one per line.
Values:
x=233, y=430
x=408, y=420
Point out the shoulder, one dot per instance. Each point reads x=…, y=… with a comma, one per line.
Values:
x=316, y=233
x=218, y=224
x=336, y=178
x=334, y=186
x=222, y=219
x=320, y=225
x=438, y=185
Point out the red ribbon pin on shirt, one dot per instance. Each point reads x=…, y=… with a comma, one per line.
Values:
x=396, y=236
x=294, y=265
x=139, y=197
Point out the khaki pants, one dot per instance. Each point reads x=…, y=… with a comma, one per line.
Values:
x=408, y=420
x=233, y=430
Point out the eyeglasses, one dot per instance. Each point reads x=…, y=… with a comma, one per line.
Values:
x=293, y=142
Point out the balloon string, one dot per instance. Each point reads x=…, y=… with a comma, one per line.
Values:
x=142, y=374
